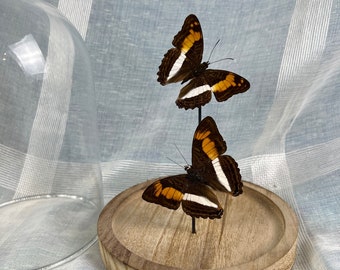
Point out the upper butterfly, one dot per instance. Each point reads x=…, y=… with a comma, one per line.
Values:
x=210, y=170
x=183, y=63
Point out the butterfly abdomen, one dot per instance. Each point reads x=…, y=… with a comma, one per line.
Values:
x=200, y=69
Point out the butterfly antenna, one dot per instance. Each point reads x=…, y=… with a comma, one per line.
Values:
x=227, y=58
x=213, y=49
x=183, y=167
x=181, y=155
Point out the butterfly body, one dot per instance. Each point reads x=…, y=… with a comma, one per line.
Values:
x=197, y=71
x=183, y=63
x=209, y=170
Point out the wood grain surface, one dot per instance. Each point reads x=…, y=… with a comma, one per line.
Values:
x=258, y=230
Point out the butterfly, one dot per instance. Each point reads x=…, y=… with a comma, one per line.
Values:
x=183, y=63
x=210, y=170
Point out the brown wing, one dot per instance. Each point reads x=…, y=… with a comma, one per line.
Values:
x=223, y=174
x=224, y=84
x=180, y=62
x=195, y=94
x=232, y=172
x=207, y=143
x=200, y=201
x=197, y=199
x=208, y=165
x=167, y=192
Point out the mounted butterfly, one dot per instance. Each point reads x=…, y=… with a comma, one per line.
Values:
x=210, y=170
x=183, y=63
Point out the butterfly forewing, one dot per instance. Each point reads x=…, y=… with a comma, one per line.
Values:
x=207, y=143
x=180, y=62
x=190, y=38
x=167, y=192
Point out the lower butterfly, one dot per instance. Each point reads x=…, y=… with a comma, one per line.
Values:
x=210, y=170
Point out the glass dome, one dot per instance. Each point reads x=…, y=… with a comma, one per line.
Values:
x=50, y=177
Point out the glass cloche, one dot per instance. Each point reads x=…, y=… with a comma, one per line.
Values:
x=50, y=177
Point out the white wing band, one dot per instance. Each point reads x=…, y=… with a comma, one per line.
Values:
x=199, y=199
x=177, y=65
x=197, y=91
x=220, y=174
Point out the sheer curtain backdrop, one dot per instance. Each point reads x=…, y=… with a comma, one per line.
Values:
x=284, y=131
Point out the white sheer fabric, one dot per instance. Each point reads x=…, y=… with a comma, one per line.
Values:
x=284, y=131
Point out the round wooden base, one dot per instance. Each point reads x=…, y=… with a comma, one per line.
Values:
x=258, y=230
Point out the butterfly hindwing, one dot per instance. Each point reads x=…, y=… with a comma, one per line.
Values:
x=179, y=63
x=168, y=70
x=232, y=173
x=224, y=84
x=195, y=94
x=200, y=201
x=223, y=174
